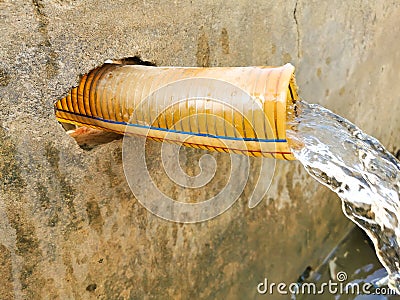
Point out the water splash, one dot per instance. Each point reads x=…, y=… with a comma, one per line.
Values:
x=357, y=168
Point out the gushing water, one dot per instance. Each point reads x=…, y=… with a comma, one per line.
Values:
x=357, y=168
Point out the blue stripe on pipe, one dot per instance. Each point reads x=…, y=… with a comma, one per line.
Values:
x=176, y=131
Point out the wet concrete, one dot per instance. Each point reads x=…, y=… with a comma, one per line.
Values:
x=354, y=263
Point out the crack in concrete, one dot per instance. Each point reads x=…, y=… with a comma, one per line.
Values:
x=41, y=16
x=43, y=22
x=297, y=28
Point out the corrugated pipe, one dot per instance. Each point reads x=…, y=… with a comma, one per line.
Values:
x=228, y=109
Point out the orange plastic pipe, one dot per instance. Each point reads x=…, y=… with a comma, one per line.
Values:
x=228, y=109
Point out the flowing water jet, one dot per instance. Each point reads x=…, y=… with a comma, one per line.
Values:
x=359, y=170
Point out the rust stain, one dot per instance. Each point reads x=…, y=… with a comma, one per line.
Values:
x=203, y=50
x=224, y=41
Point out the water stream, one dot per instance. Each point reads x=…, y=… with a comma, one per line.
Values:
x=359, y=170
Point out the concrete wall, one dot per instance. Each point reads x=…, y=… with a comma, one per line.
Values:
x=70, y=227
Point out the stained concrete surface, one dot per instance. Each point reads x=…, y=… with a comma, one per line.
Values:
x=70, y=227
